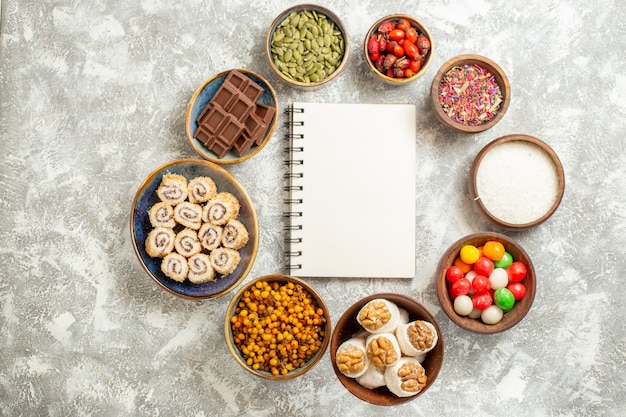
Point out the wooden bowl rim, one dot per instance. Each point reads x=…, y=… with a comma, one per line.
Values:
x=494, y=68
x=519, y=310
x=381, y=396
x=473, y=188
x=399, y=81
x=200, y=149
x=329, y=14
x=229, y=335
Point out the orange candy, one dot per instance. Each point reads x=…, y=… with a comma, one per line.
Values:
x=493, y=250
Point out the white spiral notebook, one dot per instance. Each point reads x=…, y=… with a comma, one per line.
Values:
x=351, y=190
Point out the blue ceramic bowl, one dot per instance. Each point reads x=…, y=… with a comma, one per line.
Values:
x=201, y=98
x=140, y=226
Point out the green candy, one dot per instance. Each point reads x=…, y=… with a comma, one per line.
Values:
x=504, y=298
x=504, y=263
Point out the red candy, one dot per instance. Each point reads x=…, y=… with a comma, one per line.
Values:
x=482, y=301
x=460, y=287
x=453, y=274
x=484, y=266
x=518, y=289
x=481, y=284
x=516, y=271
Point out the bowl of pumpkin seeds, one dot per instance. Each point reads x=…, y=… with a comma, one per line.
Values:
x=307, y=46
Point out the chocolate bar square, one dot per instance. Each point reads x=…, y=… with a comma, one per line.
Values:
x=237, y=79
x=243, y=143
x=253, y=91
x=240, y=107
x=226, y=136
x=224, y=96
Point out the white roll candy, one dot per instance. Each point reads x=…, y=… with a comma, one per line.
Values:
x=406, y=377
x=416, y=337
x=372, y=378
x=404, y=316
x=351, y=358
x=382, y=349
x=379, y=316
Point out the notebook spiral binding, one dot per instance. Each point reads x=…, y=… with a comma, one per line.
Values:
x=292, y=215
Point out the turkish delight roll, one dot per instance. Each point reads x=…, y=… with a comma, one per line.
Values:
x=416, y=337
x=379, y=316
x=175, y=266
x=187, y=243
x=210, y=236
x=235, y=235
x=201, y=189
x=224, y=260
x=373, y=377
x=189, y=215
x=162, y=214
x=351, y=357
x=406, y=377
x=173, y=189
x=221, y=208
x=160, y=242
x=200, y=269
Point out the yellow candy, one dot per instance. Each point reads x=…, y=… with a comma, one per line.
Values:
x=469, y=254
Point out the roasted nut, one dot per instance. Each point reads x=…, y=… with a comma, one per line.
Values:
x=381, y=351
x=412, y=377
x=420, y=335
x=350, y=360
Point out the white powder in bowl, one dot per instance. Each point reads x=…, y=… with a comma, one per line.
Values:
x=517, y=182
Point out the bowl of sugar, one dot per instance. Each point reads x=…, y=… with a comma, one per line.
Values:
x=516, y=182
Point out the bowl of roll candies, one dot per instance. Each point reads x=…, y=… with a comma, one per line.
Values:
x=485, y=282
x=387, y=349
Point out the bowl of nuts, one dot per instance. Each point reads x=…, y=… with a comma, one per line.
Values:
x=485, y=282
x=387, y=349
x=470, y=93
x=307, y=46
x=277, y=327
x=398, y=49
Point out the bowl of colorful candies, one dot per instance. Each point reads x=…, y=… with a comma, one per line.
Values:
x=485, y=283
x=470, y=93
x=307, y=46
x=277, y=327
x=398, y=49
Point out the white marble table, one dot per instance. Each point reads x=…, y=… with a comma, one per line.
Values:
x=92, y=99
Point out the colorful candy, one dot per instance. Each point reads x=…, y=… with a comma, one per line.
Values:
x=485, y=282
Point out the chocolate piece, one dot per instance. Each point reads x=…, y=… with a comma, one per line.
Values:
x=212, y=118
x=226, y=136
x=237, y=79
x=266, y=114
x=224, y=96
x=255, y=128
x=243, y=143
x=253, y=91
x=240, y=107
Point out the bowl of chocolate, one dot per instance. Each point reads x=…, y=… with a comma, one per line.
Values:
x=398, y=49
x=194, y=229
x=485, y=282
x=277, y=327
x=470, y=93
x=516, y=182
x=387, y=349
x=307, y=46
x=231, y=116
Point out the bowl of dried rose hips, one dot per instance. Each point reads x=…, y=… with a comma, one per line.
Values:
x=398, y=49
x=470, y=93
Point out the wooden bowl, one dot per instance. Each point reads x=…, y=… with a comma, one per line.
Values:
x=470, y=59
x=276, y=56
x=347, y=326
x=509, y=319
x=415, y=24
x=503, y=183
x=281, y=280
x=203, y=96
x=140, y=227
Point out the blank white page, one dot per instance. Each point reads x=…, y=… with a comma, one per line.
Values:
x=358, y=190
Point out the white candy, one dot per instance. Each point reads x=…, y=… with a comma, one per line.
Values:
x=476, y=312
x=371, y=312
x=394, y=381
x=463, y=305
x=372, y=378
x=492, y=314
x=406, y=346
x=470, y=277
x=354, y=343
x=499, y=278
